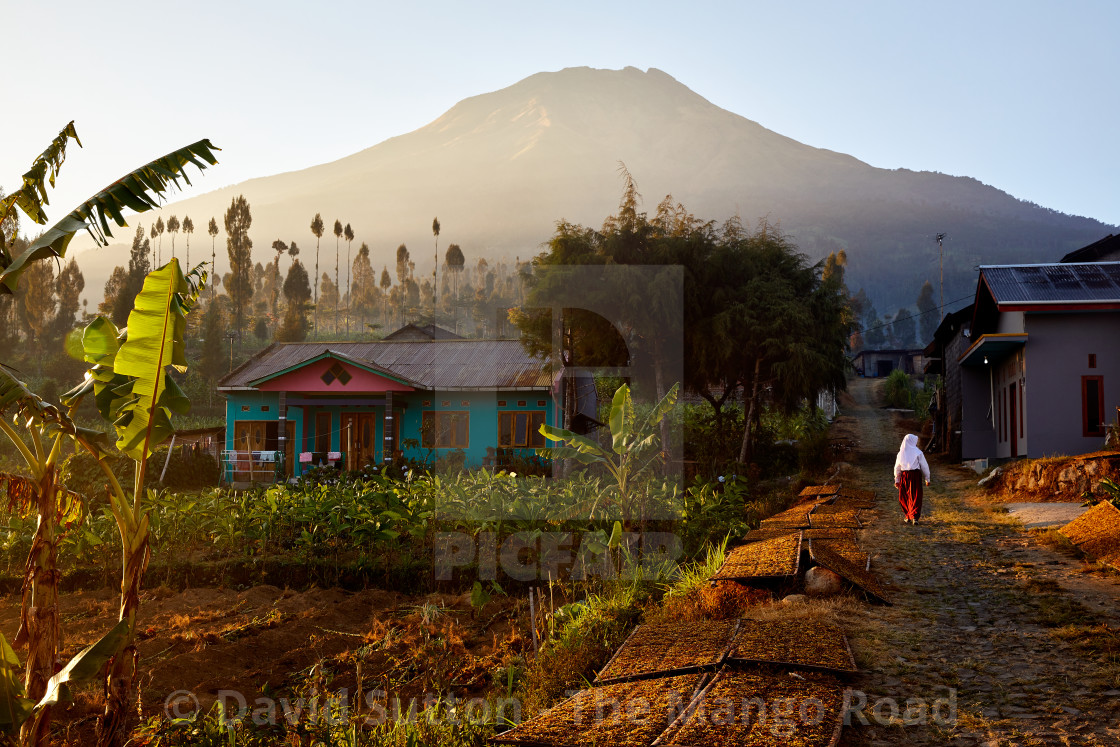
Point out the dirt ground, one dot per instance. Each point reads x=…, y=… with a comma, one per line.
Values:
x=270, y=642
x=1021, y=636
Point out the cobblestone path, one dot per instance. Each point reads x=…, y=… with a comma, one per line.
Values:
x=984, y=618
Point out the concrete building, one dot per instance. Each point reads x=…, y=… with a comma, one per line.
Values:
x=1041, y=374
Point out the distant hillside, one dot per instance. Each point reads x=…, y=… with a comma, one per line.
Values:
x=499, y=170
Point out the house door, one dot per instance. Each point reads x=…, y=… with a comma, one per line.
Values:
x=359, y=432
x=1014, y=424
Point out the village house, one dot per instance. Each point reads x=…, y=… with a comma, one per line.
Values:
x=880, y=363
x=353, y=404
x=1040, y=371
x=950, y=341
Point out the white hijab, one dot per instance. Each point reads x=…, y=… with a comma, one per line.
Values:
x=909, y=455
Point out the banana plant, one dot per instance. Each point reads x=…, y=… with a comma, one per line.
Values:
x=633, y=450
x=138, y=191
x=20, y=714
x=48, y=430
x=132, y=387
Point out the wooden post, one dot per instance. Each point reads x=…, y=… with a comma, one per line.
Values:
x=167, y=461
x=533, y=620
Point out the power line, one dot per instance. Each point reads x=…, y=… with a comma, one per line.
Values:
x=914, y=316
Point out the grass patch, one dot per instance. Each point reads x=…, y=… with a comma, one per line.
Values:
x=1051, y=539
x=1099, y=644
x=1052, y=607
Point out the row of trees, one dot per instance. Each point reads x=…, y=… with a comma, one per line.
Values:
x=289, y=304
x=903, y=330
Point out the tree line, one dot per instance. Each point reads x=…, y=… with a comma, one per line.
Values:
x=759, y=326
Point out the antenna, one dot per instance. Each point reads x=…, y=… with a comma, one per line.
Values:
x=939, y=238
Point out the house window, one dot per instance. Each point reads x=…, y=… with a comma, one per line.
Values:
x=264, y=408
x=520, y=429
x=1092, y=405
x=336, y=372
x=445, y=430
x=501, y=403
x=520, y=403
x=1092, y=360
x=541, y=402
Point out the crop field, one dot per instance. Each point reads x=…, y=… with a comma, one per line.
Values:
x=798, y=643
x=768, y=558
x=670, y=646
x=629, y=714
x=752, y=710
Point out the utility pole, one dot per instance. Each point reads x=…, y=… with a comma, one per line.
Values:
x=941, y=262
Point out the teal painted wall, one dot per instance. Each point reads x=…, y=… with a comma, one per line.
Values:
x=482, y=406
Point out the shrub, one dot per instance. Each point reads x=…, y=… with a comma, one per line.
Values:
x=898, y=389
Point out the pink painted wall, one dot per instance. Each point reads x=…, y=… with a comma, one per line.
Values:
x=308, y=379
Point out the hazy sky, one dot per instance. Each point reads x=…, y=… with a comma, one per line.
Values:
x=1021, y=95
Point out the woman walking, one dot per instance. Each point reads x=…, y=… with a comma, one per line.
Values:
x=910, y=469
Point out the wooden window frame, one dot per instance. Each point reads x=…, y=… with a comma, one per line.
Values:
x=1101, y=427
x=433, y=430
x=533, y=437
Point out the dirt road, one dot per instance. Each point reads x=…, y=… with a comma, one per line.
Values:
x=1015, y=634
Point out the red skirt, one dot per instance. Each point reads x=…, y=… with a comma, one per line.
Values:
x=910, y=493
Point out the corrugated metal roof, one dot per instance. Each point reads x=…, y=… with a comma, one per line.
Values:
x=440, y=364
x=1094, y=282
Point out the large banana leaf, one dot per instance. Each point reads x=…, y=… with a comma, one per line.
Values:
x=14, y=707
x=32, y=196
x=153, y=341
x=35, y=411
x=85, y=666
x=138, y=191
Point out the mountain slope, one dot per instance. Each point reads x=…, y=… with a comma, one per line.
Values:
x=499, y=169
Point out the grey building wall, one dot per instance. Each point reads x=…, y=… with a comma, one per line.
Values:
x=1057, y=356
x=953, y=405
x=978, y=438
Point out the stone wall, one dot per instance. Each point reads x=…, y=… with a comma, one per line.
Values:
x=1056, y=479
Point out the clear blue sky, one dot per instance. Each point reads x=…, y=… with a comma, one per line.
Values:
x=1021, y=95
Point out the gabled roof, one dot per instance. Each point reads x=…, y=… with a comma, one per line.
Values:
x=412, y=331
x=427, y=364
x=1076, y=284
x=334, y=354
x=1106, y=249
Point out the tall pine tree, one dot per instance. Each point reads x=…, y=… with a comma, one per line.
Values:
x=240, y=249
